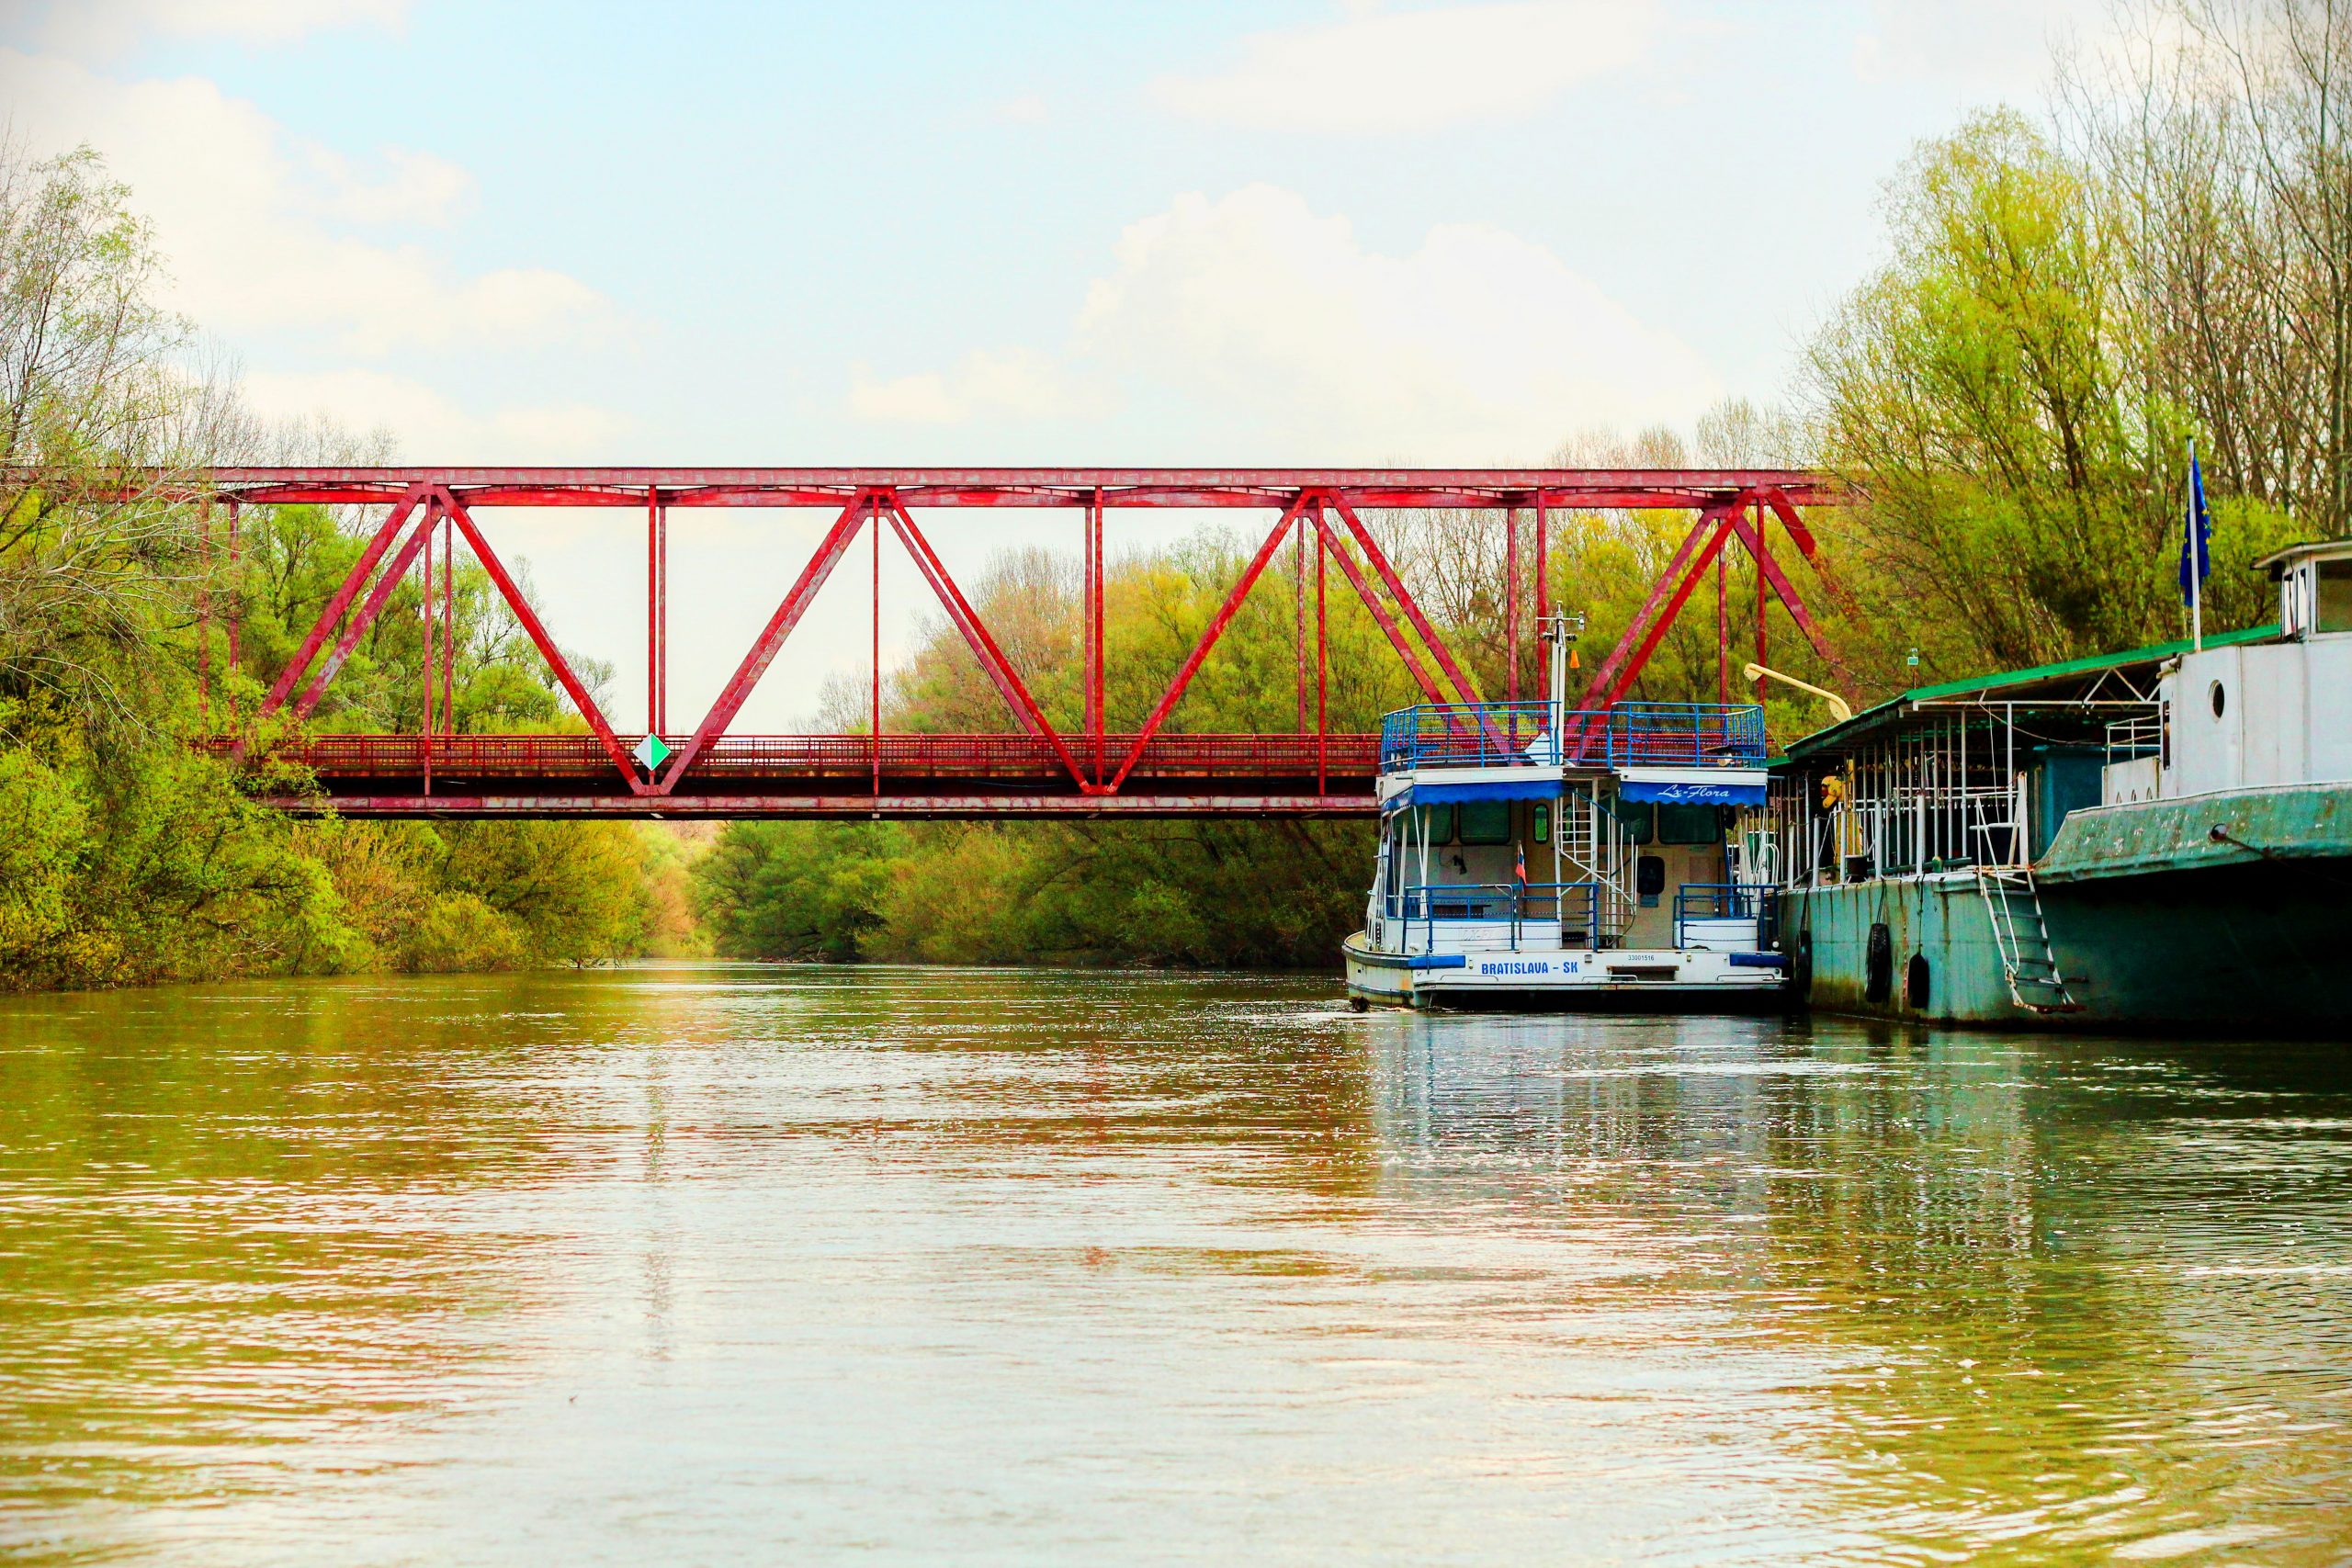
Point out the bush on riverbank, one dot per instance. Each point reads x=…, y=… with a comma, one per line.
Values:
x=125, y=857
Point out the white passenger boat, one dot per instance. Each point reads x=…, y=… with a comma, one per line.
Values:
x=1536, y=856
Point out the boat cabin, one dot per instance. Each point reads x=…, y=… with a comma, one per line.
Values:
x=1547, y=848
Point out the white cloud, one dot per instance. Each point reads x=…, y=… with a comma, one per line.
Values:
x=1477, y=346
x=1993, y=47
x=1283, y=336
x=427, y=425
x=254, y=220
x=1015, y=382
x=99, y=29
x=1378, y=71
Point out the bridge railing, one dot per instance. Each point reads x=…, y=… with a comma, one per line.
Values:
x=743, y=758
x=1495, y=735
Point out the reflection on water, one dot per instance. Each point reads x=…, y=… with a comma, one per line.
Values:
x=718, y=1264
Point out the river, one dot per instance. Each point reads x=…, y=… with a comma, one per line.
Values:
x=722, y=1264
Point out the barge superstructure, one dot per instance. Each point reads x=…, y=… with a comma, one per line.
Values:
x=2154, y=839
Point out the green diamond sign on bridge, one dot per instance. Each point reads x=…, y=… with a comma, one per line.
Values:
x=651, y=753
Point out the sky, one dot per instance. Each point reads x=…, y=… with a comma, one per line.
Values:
x=1289, y=233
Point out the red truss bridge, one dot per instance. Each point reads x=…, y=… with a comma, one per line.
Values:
x=704, y=769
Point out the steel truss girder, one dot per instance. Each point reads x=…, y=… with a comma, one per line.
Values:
x=1681, y=488
x=852, y=808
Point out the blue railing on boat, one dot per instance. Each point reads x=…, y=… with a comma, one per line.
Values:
x=1576, y=905
x=1497, y=735
x=1703, y=901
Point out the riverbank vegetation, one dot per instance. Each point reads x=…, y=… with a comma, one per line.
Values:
x=127, y=857
x=2163, y=253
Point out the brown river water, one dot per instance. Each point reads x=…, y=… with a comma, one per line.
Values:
x=712, y=1264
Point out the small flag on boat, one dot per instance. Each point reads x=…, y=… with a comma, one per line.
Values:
x=2196, y=563
x=1519, y=867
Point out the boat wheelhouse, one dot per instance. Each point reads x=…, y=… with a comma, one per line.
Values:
x=1532, y=855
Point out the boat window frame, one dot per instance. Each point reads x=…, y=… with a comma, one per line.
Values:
x=1487, y=840
x=2331, y=613
x=1682, y=814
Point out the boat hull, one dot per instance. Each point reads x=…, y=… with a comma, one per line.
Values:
x=1610, y=981
x=2155, y=922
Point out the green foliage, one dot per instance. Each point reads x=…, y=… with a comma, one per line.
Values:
x=1992, y=392
x=127, y=857
x=1213, y=893
x=796, y=889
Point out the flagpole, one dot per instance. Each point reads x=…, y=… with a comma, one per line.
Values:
x=2196, y=562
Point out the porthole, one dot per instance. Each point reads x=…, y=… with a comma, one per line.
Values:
x=2220, y=699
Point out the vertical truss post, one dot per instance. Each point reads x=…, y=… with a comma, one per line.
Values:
x=1762, y=550
x=1322, y=664
x=1092, y=614
x=424, y=627
x=1543, y=559
x=1511, y=602
x=873, y=723
x=657, y=612
x=204, y=617
x=1298, y=598
x=449, y=627
x=1723, y=633
x=236, y=599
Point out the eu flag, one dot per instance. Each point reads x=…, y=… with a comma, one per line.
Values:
x=2195, y=565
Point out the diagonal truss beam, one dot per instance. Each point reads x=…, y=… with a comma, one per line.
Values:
x=1710, y=519
x=1208, y=639
x=572, y=683
x=984, y=647
x=1663, y=622
x=369, y=608
x=1380, y=615
x=830, y=550
x=1782, y=508
x=325, y=626
x=1786, y=593
x=1405, y=602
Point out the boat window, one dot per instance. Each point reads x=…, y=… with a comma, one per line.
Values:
x=1437, y=824
x=1636, y=816
x=1689, y=825
x=1541, y=829
x=2334, y=595
x=1485, y=822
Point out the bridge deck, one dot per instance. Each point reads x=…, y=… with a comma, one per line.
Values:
x=836, y=775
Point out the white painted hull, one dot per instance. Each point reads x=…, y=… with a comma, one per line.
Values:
x=1616, y=978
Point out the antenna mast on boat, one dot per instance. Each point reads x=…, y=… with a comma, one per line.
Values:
x=1559, y=631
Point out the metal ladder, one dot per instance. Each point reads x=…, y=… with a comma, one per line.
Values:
x=1591, y=845
x=2030, y=965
